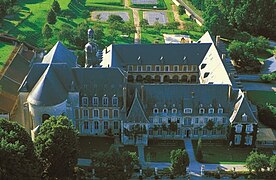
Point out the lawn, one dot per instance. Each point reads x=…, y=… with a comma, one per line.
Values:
x=5, y=50
x=159, y=151
x=91, y=145
x=160, y=5
x=197, y=11
x=106, y=2
x=262, y=97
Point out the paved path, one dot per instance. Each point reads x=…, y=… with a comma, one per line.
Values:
x=177, y=18
x=141, y=155
x=200, y=19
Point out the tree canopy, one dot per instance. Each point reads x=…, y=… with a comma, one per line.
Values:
x=51, y=17
x=17, y=155
x=113, y=164
x=56, y=7
x=180, y=160
x=57, y=147
x=256, y=161
x=6, y=6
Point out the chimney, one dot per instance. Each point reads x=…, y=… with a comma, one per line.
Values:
x=217, y=39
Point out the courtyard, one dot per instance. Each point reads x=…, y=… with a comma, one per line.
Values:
x=155, y=17
x=103, y=15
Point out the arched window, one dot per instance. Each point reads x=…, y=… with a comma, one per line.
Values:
x=155, y=110
x=114, y=100
x=84, y=101
x=165, y=110
x=244, y=117
x=95, y=113
x=105, y=100
x=174, y=110
x=96, y=125
x=201, y=110
x=95, y=101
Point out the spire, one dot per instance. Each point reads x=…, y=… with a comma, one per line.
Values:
x=93, y=56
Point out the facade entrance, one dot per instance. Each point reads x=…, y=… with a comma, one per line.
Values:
x=187, y=133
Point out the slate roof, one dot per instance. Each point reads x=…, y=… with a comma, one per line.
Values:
x=52, y=87
x=269, y=65
x=184, y=96
x=60, y=54
x=125, y=54
x=242, y=107
x=136, y=113
x=98, y=82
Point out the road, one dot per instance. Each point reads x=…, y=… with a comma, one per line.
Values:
x=200, y=19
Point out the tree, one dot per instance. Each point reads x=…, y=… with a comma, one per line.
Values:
x=256, y=162
x=57, y=147
x=267, y=115
x=158, y=26
x=180, y=10
x=111, y=165
x=51, y=17
x=180, y=160
x=17, y=155
x=199, y=154
x=172, y=25
x=128, y=28
x=6, y=6
x=144, y=23
x=115, y=18
x=210, y=125
x=56, y=7
x=173, y=126
x=272, y=163
x=81, y=35
x=47, y=31
x=66, y=33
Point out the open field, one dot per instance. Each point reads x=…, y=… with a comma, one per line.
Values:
x=159, y=5
x=5, y=50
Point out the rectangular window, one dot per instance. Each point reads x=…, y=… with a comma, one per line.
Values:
x=196, y=120
x=85, y=113
x=115, y=113
x=185, y=68
x=238, y=128
x=96, y=125
x=148, y=68
x=160, y=120
x=150, y=132
x=249, y=128
x=139, y=68
x=178, y=120
x=220, y=111
x=105, y=101
x=167, y=68
x=157, y=68
x=130, y=68
x=85, y=125
x=115, y=101
x=85, y=101
x=95, y=101
x=196, y=131
x=248, y=140
x=211, y=111
x=105, y=125
x=175, y=68
x=169, y=120
x=96, y=113
x=224, y=120
x=205, y=120
x=116, y=125
x=237, y=139
x=105, y=113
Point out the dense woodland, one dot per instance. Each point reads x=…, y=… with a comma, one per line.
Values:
x=226, y=17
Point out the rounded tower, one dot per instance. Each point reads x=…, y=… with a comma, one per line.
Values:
x=91, y=49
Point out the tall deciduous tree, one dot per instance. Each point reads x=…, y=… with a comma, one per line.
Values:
x=51, y=17
x=17, y=155
x=272, y=163
x=47, y=31
x=256, y=162
x=56, y=7
x=180, y=160
x=57, y=147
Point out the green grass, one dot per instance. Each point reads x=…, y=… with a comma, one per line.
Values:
x=262, y=97
x=169, y=4
x=106, y=2
x=156, y=152
x=91, y=145
x=5, y=50
x=130, y=148
x=170, y=17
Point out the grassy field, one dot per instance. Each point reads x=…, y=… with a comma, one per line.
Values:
x=5, y=50
x=158, y=151
x=197, y=11
x=91, y=145
x=220, y=153
x=262, y=97
x=106, y=2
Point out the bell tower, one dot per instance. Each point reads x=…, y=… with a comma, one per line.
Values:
x=92, y=58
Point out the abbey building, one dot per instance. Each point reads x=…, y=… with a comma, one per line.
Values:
x=139, y=92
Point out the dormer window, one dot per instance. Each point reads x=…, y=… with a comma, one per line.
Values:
x=105, y=100
x=174, y=110
x=130, y=68
x=157, y=68
x=188, y=110
x=167, y=68
x=148, y=68
x=85, y=101
x=244, y=117
x=155, y=111
x=114, y=101
x=139, y=68
x=175, y=68
x=201, y=110
x=95, y=101
x=220, y=111
x=211, y=111
x=185, y=68
x=165, y=110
